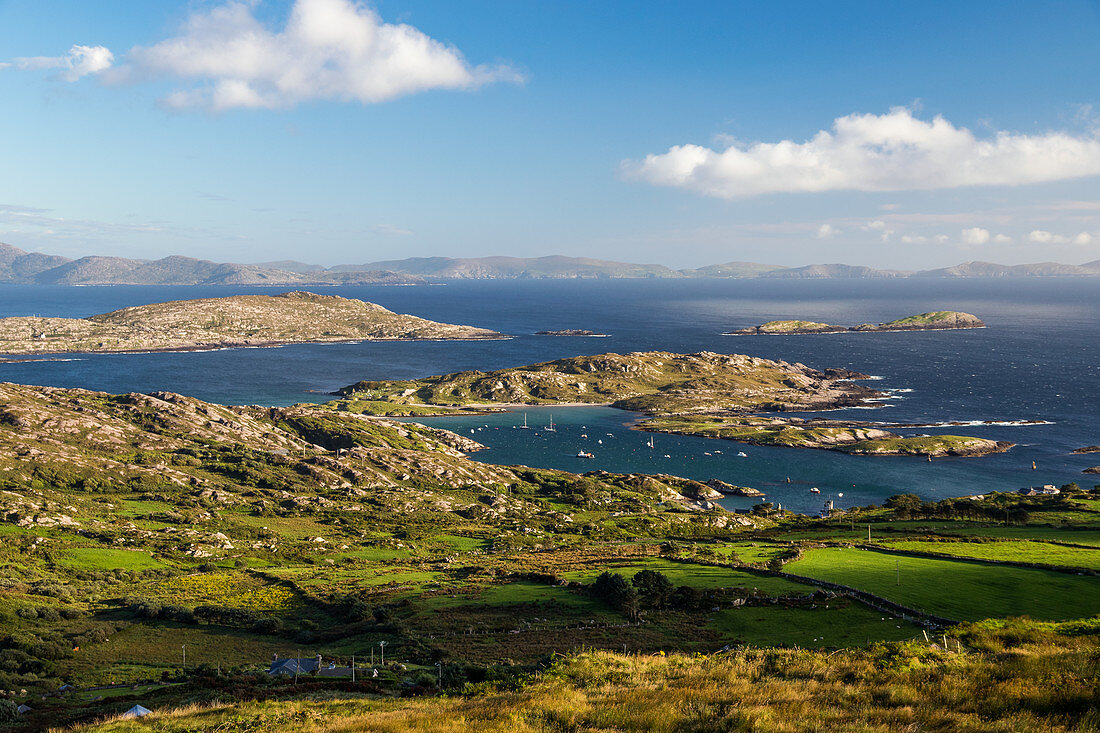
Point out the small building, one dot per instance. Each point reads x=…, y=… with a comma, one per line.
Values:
x=291, y=666
x=333, y=671
x=24, y=709
x=1044, y=490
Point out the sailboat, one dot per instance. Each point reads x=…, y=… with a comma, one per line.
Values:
x=550, y=428
x=524, y=426
x=650, y=443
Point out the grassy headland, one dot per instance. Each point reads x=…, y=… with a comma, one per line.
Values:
x=239, y=320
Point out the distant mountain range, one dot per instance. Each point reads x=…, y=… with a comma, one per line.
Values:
x=17, y=266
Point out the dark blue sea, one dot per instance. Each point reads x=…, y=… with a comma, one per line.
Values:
x=1039, y=359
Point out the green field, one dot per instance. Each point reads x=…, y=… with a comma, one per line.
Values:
x=837, y=625
x=698, y=576
x=955, y=589
x=1015, y=551
x=107, y=558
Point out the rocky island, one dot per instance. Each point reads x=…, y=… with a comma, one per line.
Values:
x=708, y=394
x=931, y=321
x=572, y=332
x=236, y=321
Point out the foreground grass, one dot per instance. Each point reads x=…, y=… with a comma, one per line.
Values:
x=1048, y=682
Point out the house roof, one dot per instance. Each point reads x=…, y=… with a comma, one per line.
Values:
x=290, y=666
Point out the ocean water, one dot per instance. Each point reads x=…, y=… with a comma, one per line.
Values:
x=1038, y=360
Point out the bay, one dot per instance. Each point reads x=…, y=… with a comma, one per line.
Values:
x=1038, y=360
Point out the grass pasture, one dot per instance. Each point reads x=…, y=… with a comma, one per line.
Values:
x=1014, y=551
x=698, y=576
x=955, y=589
x=839, y=624
x=107, y=558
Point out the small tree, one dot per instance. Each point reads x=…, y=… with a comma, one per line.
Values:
x=654, y=587
x=904, y=505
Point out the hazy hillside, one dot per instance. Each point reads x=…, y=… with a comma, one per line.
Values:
x=732, y=269
x=833, y=271
x=17, y=266
x=992, y=269
x=553, y=266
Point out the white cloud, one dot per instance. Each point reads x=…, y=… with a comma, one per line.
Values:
x=942, y=238
x=1040, y=236
x=827, y=231
x=328, y=50
x=1002, y=239
x=975, y=236
x=890, y=152
x=79, y=61
x=913, y=238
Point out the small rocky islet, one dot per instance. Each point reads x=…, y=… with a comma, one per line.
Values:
x=931, y=321
x=572, y=332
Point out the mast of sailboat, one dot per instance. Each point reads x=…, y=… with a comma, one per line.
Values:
x=550, y=428
x=650, y=443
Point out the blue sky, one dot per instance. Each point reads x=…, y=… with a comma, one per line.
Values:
x=624, y=130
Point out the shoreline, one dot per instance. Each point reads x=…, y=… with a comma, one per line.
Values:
x=226, y=345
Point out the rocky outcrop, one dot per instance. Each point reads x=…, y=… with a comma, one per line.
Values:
x=730, y=490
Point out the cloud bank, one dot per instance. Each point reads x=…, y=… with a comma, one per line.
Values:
x=890, y=152
x=328, y=50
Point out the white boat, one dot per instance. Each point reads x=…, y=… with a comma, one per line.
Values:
x=600, y=442
x=584, y=435
x=742, y=454
x=650, y=443
x=550, y=428
x=582, y=454
x=524, y=426
x=815, y=490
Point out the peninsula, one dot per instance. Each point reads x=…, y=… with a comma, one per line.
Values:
x=236, y=321
x=708, y=394
x=931, y=321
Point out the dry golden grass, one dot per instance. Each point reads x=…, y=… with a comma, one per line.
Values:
x=1049, y=684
